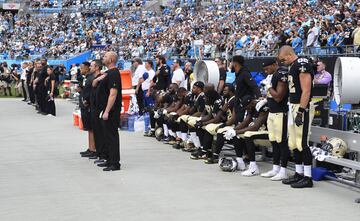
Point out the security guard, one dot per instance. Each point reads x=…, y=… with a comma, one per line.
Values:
x=277, y=97
x=245, y=84
x=110, y=104
x=101, y=151
x=301, y=114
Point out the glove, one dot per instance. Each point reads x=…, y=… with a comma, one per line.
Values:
x=156, y=115
x=198, y=124
x=299, y=117
x=164, y=112
x=230, y=134
x=260, y=104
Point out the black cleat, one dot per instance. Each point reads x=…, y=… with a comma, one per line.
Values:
x=112, y=168
x=212, y=160
x=305, y=182
x=293, y=179
x=199, y=154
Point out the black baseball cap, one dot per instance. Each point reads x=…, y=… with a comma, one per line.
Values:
x=245, y=101
x=268, y=62
x=199, y=84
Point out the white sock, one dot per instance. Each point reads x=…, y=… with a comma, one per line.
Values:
x=307, y=170
x=276, y=168
x=166, y=130
x=253, y=165
x=152, y=129
x=172, y=133
x=240, y=160
x=282, y=170
x=299, y=168
x=178, y=134
x=195, y=139
x=183, y=136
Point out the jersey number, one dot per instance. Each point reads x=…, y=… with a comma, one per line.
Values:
x=291, y=84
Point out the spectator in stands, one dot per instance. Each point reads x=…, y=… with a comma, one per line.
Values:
x=322, y=76
x=356, y=37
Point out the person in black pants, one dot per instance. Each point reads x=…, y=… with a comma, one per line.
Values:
x=101, y=151
x=40, y=87
x=110, y=104
x=84, y=104
x=29, y=82
x=50, y=82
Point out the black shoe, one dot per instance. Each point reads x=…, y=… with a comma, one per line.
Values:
x=94, y=156
x=305, y=182
x=293, y=179
x=90, y=154
x=99, y=161
x=150, y=133
x=112, y=168
x=103, y=164
x=24, y=100
x=212, y=160
x=199, y=154
x=85, y=152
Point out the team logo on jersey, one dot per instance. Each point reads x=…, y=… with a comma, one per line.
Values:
x=302, y=69
x=284, y=79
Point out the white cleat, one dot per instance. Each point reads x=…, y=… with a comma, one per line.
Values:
x=241, y=166
x=279, y=177
x=268, y=174
x=251, y=172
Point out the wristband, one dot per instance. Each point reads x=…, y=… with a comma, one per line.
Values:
x=301, y=110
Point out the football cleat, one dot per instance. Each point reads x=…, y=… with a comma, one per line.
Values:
x=251, y=172
x=268, y=174
x=279, y=177
x=305, y=182
x=293, y=179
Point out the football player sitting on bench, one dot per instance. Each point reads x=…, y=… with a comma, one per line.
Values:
x=212, y=114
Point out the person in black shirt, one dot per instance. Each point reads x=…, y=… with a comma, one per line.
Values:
x=29, y=82
x=84, y=104
x=51, y=92
x=217, y=121
x=244, y=83
x=277, y=98
x=222, y=71
x=110, y=104
x=41, y=89
x=301, y=113
x=162, y=75
x=188, y=121
x=96, y=122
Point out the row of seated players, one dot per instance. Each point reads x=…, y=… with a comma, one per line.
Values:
x=190, y=120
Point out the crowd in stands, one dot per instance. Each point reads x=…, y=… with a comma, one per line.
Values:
x=85, y=4
x=259, y=28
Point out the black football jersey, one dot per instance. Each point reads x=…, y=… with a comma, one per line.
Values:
x=189, y=100
x=281, y=75
x=255, y=114
x=217, y=106
x=301, y=65
x=229, y=111
x=169, y=98
x=199, y=102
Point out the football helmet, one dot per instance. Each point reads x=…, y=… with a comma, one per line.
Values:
x=228, y=164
